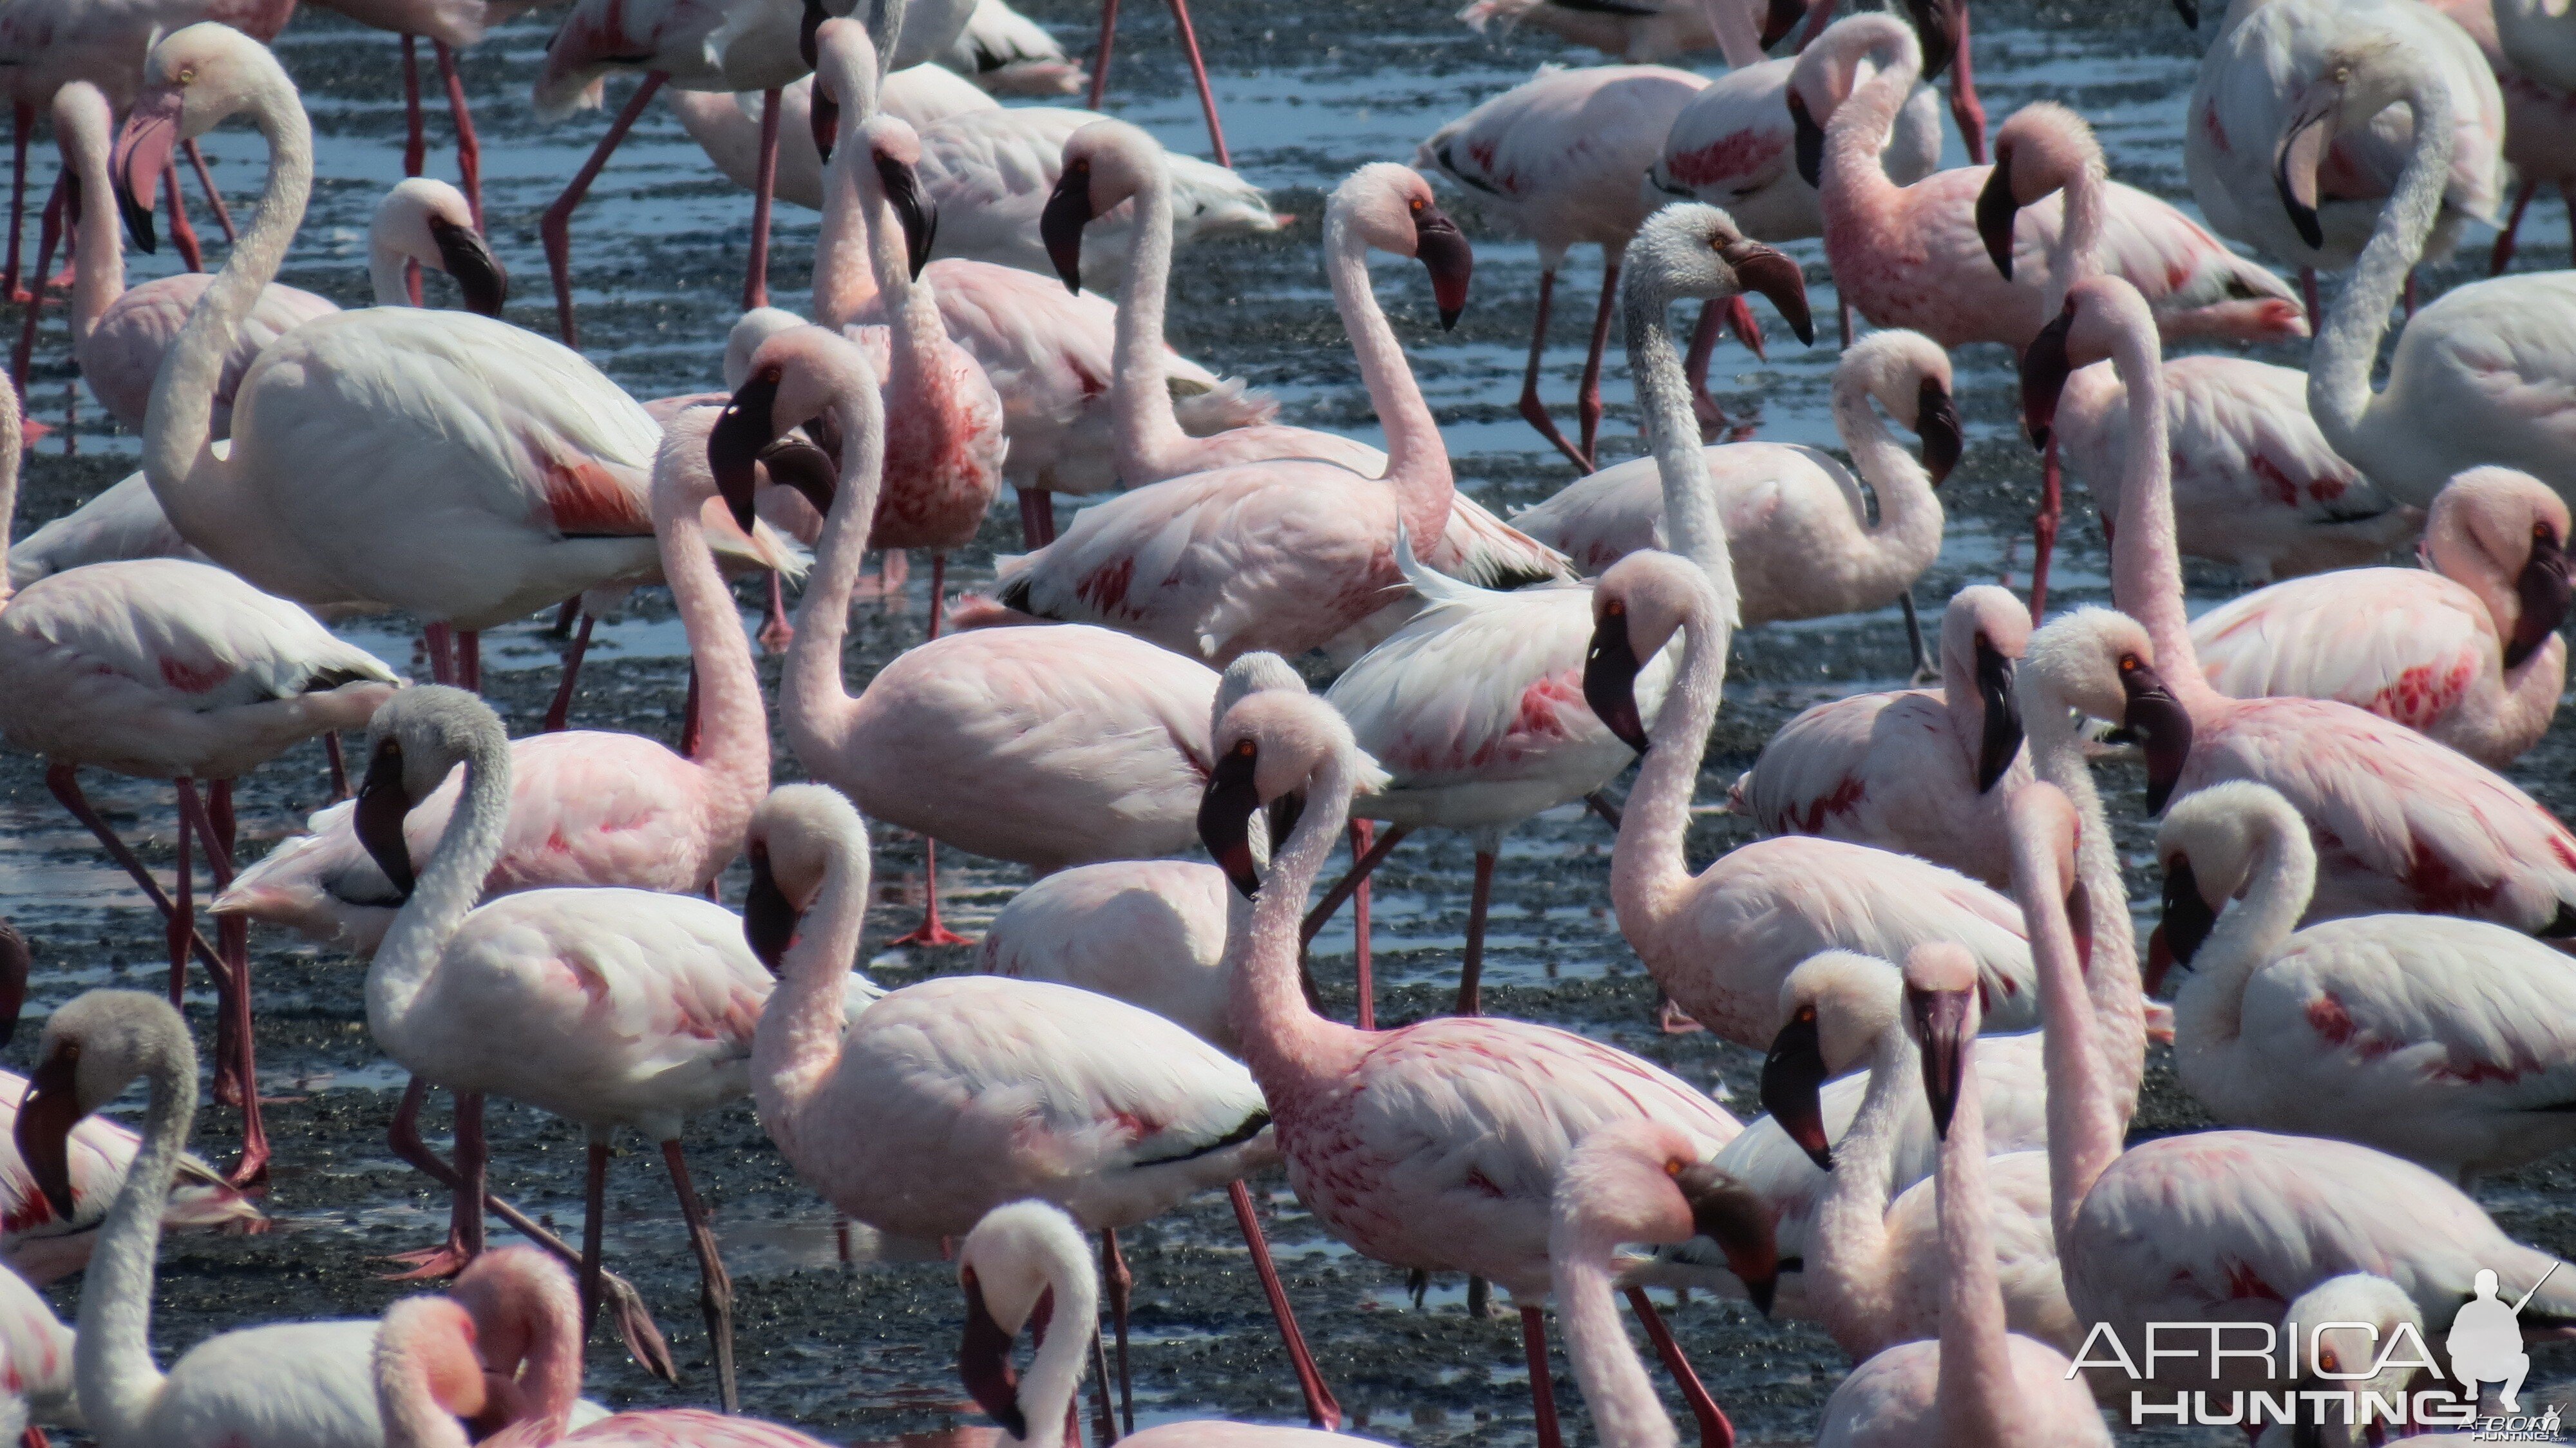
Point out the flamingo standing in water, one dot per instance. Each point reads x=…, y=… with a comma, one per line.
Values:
x=2401, y=821
x=451, y=25
x=2539, y=103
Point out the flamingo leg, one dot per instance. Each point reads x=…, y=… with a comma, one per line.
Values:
x=469, y=660
x=1703, y=347
x=555, y=227
x=1714, y=1430
x=438, y=641
x=1121, y=1283
x=181, y=925
x=183, y=235
x=1037, y=517
x=1533, y=411
x=469, y=150
x=1343, y=888
x=236, y=1054
x=1471, y=972
x=49, y=235
x=1600, y=804
x=465, y=1182
x=594, y=1214
x=2410, y=294
x=1198, y=74
x=715, y=1285
x=65, y=784
x=764, y=189
x=24, y=116
x=1104, y=1422
x=777, y=629
x=1542, y=1390
x=1924, y=673
x=2043, y=532
x=559, y=712
x=339, y=767
x=1587, y=402
x=2308, y=295
x=938, y=590
x=1321, y=1410
x=689, y=716
x=214, y=196
x=930, y=931
x=1843, y=313
x=1965, y=108
x=2502, y=257
x=1099, y=58
x=415, y=138
x=1361, y=830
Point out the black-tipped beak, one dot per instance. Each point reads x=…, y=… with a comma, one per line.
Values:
x=984, y=1362
x=1281, y=816
x=2079, y=923
x=1443, y=251
x=919, y=219
x=1225, y=816
x=143, y=150
x=1779, y=18
x=1610, y=677
x=735, y=443
x=466, y=256
x=17, y=962
x=2162, y=727
x=2044, y=367
x=2294, y=169
x=1941, y=1017
x=2543, y=590
x=811, y=22
x=1996, y=210
x=1068, y=211
x=2002, y=738
x=823, y=118
x=1793, y=1080
x=1774, y=275
x=1810, y=146
x=1729, y=1213
x=1936, y=422
x=382, y=807
x=46, y=1116
x=1937, y=23
x=2188, y=918
x=769, y=918
x=792, y=462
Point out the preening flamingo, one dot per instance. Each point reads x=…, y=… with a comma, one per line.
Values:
x=1051, y=747
x=2401, y=821
x=726, y=125
x=2358, y=1318
x=1801, y=544
x=954, y=1096
x=1009, y=54
x=1920, y=771
x=1977, y=1384
x=1436, y=1146
x=2467, y=650
x=2485, y=374
x=1473, y=705
x=1283, y=555
x=43, y=1246
x=2440, y=1040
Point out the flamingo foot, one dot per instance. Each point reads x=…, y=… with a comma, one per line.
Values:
x=430, y=1264
x=1673, y=1021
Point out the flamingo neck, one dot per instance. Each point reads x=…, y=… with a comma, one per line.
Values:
x=2347, y=346
x=2118, y=1024
x=2077, y=252
x=2146, y=558
x=1649, y=873
x=1855, y=177
x=1417, y=461
x=845, y=279
x=1055, y=1369
x=112, y=1367
x=98, y=260
x=914, y=331
x=446, y=891
x=1847, y=1256
x=386, y=259
x=2084, y=1137
x=411, y=1414
x=1624, y=1407
x=796, y=1048
x=1908, y=535
x=1289, y=1048
x=813, y=699
x=2209, y=1010
x=1976, y=1378
x=2456, y=553
x=733, y=745
x=1150, y=439
x=1737, y=39
x=1692, y=526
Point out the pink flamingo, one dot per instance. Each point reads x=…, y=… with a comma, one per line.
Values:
x=41, y=1246
x=1008, y=54
x=533, y=463
x=1977, y=1383
x=1557, y=157
x=2466, y=651
x=1434, y=1147
x=37, y=1352
x=2539, y=102
x=1800, y=545
x=2401, y=822
x=2481, y=375
x=124, y=522
x=952, y=1097
x=726, y=125
x=2432, y=1038
x=1203, y=565
x=587, y=806
x=1919, y=771
x=1051, y=747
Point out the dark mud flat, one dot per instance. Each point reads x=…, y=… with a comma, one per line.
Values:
x=865, y=1351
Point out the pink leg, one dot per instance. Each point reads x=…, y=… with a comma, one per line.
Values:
x=181, y=924
x=339, y=766
x=469, y=151
x=439, y=642
x=1843, y=314
x=594, y=1223
x=1037, y=517
x=715, y=1285
x=465, y=1183
x=2043, y=527
x=938, y=590
x=1321, y=1410
x=1198, y=73
x=1350, y=883
x=24, y=114
x=559, y=712
x=2503, y=254
x=415, y=139
x=232, y=938
x=65, y=784
x=1361, y=831
x=777, y=627
x=1099, y=58
x=469, y=660
x=1533, y=411
x=1587, y=403
x=49, y=235
x=2308, y=295
x=555, y=227
x=1542, y=1388
x=182, y=234
x=930, y=931
x=1118, y=1283
x=764, y=186
x=1471, y=972
x=214, y=196
x=1714, y=1430
x=1965, y=108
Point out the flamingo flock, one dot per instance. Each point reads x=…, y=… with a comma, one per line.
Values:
x=1887, y=1076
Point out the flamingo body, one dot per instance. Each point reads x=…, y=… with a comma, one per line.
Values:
x=122, y=355
x=1732, y=146
x=1147, y=932
x=1557, y=156
x=124, y=522
x=40, y=1244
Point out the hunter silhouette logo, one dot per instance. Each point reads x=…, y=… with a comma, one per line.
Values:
x=2485, y=1343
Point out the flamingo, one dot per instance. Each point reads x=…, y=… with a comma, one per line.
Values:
x=451, y=25
x=35, y=1361
x=2357, y=1318
x=1977, y=1383
x=2479, y=376
x=2432, y=1038
x=2466, y=651
x=1799, y=541
x=123, y=522
x=1009, y=54
x=1556, y=157
x=726, y=125
x=979, y=1090
x=1287, y=554
x=1920, y=771
x=2539, y=109
x=2401, y=821
x=1433, y=1147
x=441, y=462
x=1051, y=747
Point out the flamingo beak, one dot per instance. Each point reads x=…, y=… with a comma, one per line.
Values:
x=2162, y=726
x=1941, y=1016
x=1443, y=251
x=1774, y=275
x=2079, y=923
x=2543, y=590
x=1793, y=1079
x=1810, y=146
x=1940, y=23
x=46, y=1116
x=2296, y=160
x=1996, y=209
x=1728, y=1213
x=142, y=151
x=2044, y=368
x=1936, y=422
x=810, y=22
x=920, y=219
x=1068, y=211
x=17, y=962
x=1610, y=676
x=984, y=1361
x=465, y=255
x=769, y=918
x=735, y=443
x=793, y=462
x=1779, y=18
x=2002, y=739
x=382, y=807
x=1225, y=815
x=823, y=118
x=2188, y=918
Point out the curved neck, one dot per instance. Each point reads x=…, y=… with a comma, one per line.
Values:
x=98, y=260
x=1856, y=134
x=2348, y=344
x=797, y=1046
x=412, y=1416
x=2084, y=1138
x=1976, y=1383
x=445, y=893
x=1908, y=535
x=2146, y=558
x=1417, y=461
x=1847, y=1257
x=1691, y=522
x=112, y=1367
x=1649, y=873
x=845, y=278
x=733, y=741
x=2281, y=873
x=2078, y=250
x=813, y=700
x=2117, y=1029
x=2453, y=549
x=1150, y=438
x=385, y=263
x=1055, y=1369
x=1625, y=1410
x=1285, y=1043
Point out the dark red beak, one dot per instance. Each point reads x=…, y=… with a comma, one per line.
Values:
x=1941, y=1022
x=466, y=256
x=2542, y=588
x=1996, y=210
x=1936, y=422
x=46, y=1116
x=2044, y=369
x=2162, y=727
x=1730, y=1214
x=1225, y=815
x=2002, y=738
x=2188, y=918
x=381, y=809
x=17, y=962
x=1610, y=676
x=984, y=1362
x=769, y=918
x=912, y=210
x=142, y=150
x=1774, y=275
x=1068, y=211
x=734, y=445
x=1793, y=1080
x=1443, y=251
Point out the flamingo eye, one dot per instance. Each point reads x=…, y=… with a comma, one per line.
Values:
x=1613, y=608
x=2129, y=663
x=1245, y=748
x=1673, y=1166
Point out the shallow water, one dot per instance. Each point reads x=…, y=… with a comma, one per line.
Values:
x=860, y=1345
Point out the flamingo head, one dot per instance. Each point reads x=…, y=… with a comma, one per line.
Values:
x=1010, y=1267
x=1941, y=1014
x=1694, y=250
x=800, y=837
x=2099, y=312
x=1829, y=69
x=1909, y=374
x=2491, y=523
x=2045, y=829
x=1779, y=17
x=2101, y=663
x=1105, y=163
x=795, y=377
x=2042, y=149
x=2207, y=847
x=1392, y=208
x=428, y=221
x=194, y=79
x=2354, y=1324
x=1273, y=743
x=1637, y=607
x=1645, y=1180
x=431, y=1342
x=418, y=735
x=895, y=150
x=2358, y=79
x=844, y=57
x=1983, y=635
x=1833, y=1008
x=1939, y=25
x=93, y=1048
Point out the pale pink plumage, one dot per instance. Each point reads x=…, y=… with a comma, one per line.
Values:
x=1147, y=932
x=1733, y=146
x=41, y=1246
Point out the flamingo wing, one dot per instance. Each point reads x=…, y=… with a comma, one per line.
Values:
x=191, y=636
x=2403, y=643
